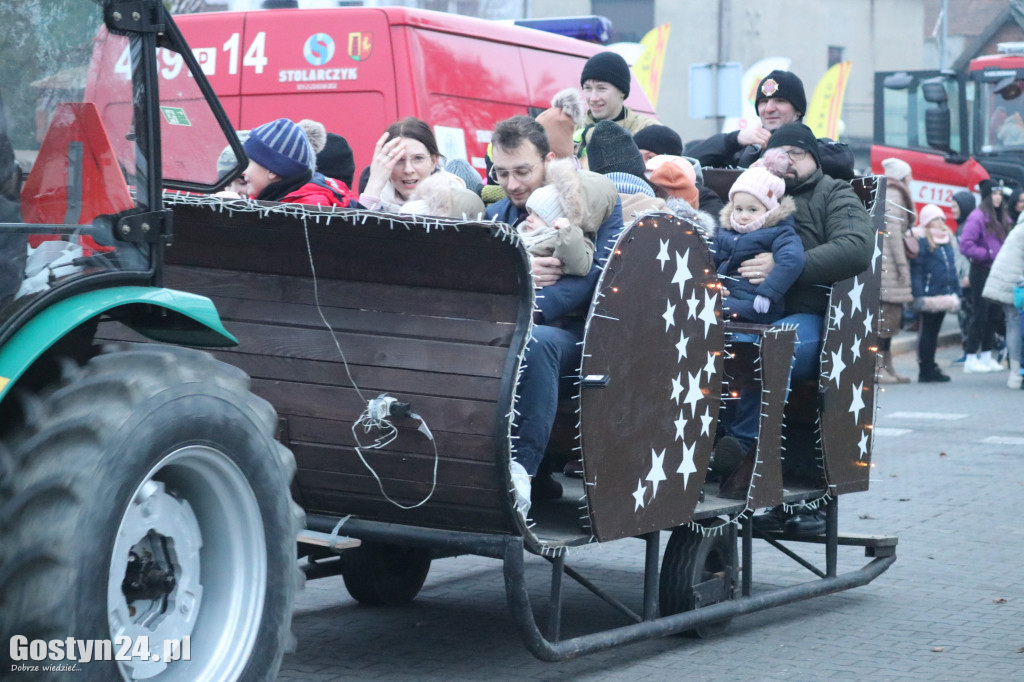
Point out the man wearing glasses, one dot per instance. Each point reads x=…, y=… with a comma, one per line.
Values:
x=520, y=153
x=838, y=241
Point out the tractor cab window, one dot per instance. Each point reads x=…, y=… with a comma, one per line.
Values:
x=1001, y=109
x=78, y=172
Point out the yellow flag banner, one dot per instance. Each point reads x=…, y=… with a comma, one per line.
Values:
x=827, y=104
x=648, y=67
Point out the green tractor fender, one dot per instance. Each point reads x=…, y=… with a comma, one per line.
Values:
x=163, y=315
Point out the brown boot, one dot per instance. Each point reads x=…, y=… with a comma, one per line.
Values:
x=885, y=373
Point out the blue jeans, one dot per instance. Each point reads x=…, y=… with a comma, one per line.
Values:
x=806, y=350
x=552, y=354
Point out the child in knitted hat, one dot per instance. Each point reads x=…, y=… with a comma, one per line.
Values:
x=554, y=224
x=281, y=167
x=758, y=219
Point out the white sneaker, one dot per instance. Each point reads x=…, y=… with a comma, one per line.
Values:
x=993, y=364
x=975, y=365
x=521, y=482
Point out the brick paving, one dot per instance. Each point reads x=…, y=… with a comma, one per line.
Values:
x=950, y=608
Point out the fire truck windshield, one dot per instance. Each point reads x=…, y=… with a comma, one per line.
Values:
x=1001, y=113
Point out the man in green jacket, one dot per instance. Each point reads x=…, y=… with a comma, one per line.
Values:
x=839, y=241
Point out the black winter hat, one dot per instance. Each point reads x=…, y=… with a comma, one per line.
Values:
x=782, y=85
x=796, y=134
x=660, y=140
x=609, y=67
x=335, y=159
x=990, y=186
x=612, y=149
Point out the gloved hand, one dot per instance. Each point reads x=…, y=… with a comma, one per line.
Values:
x=761, y=303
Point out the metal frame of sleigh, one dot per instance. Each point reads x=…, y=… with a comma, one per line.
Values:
x=334, y=307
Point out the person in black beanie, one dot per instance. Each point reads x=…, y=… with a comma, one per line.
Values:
x=612, y=150
x=779, y=99
x=335, y=159
x=657, y=140
x=839, y=241
x=605, y=81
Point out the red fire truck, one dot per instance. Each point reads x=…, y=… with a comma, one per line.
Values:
x=954, y=129
x=357, y=70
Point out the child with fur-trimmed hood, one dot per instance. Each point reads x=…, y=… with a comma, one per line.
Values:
x=758, y=219
x=556, y=223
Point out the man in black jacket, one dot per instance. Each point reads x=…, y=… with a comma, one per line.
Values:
x=779, y=99
x=838, y=240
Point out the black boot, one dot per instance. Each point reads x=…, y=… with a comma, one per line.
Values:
x=544, y=486
x=931, y=374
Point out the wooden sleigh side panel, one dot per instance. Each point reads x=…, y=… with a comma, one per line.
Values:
x=432, y=313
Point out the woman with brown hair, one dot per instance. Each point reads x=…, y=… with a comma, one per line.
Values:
x=983, y=235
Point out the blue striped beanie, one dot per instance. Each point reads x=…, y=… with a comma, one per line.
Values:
x=281, y=147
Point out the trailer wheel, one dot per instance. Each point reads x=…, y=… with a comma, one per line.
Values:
x=696, y=564
x=149, y=499
x=381, y=574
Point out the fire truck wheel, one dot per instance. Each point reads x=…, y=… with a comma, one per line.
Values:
x=699, y=569
x=150, y=503
x=381, y=574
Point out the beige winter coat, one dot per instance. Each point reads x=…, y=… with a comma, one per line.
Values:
x=899, y=218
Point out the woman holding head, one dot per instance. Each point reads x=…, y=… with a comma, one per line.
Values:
x=404, y=157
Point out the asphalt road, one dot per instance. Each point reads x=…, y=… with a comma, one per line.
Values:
x=948, y=479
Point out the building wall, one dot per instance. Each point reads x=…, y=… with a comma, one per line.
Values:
x=877, y=35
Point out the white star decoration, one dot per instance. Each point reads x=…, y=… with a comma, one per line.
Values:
x=868, y=319
x=863, y=444
x=710, y=366
x=855, y=294
x=837, y=366
x=705, y=422
x=857, y=403
x=669, y=315
x=855, y=349
x=875, y=255
x=837, y=315
x=677, y=388
x=681, y=346
x=707, y=313
x=663, y=253
x=657, y=472
x=638, y=494
x=680, y=425
x=687, y=467
x=693, y=392
x=682, y=275
x=691, y=306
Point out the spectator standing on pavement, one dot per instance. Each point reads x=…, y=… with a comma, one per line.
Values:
x=936, y=287
x=899, y=219
x=963, y=204
x=1007, y=268
x=982, y=236
x=605, y=81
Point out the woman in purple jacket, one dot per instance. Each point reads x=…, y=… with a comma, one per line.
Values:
x=982, y=235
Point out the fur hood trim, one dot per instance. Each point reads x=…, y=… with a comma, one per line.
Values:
x=786, y=208
x=704, y=221
x=570, y=101
x=565, y=178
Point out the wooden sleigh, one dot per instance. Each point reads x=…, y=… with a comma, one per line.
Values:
x=334, y=308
